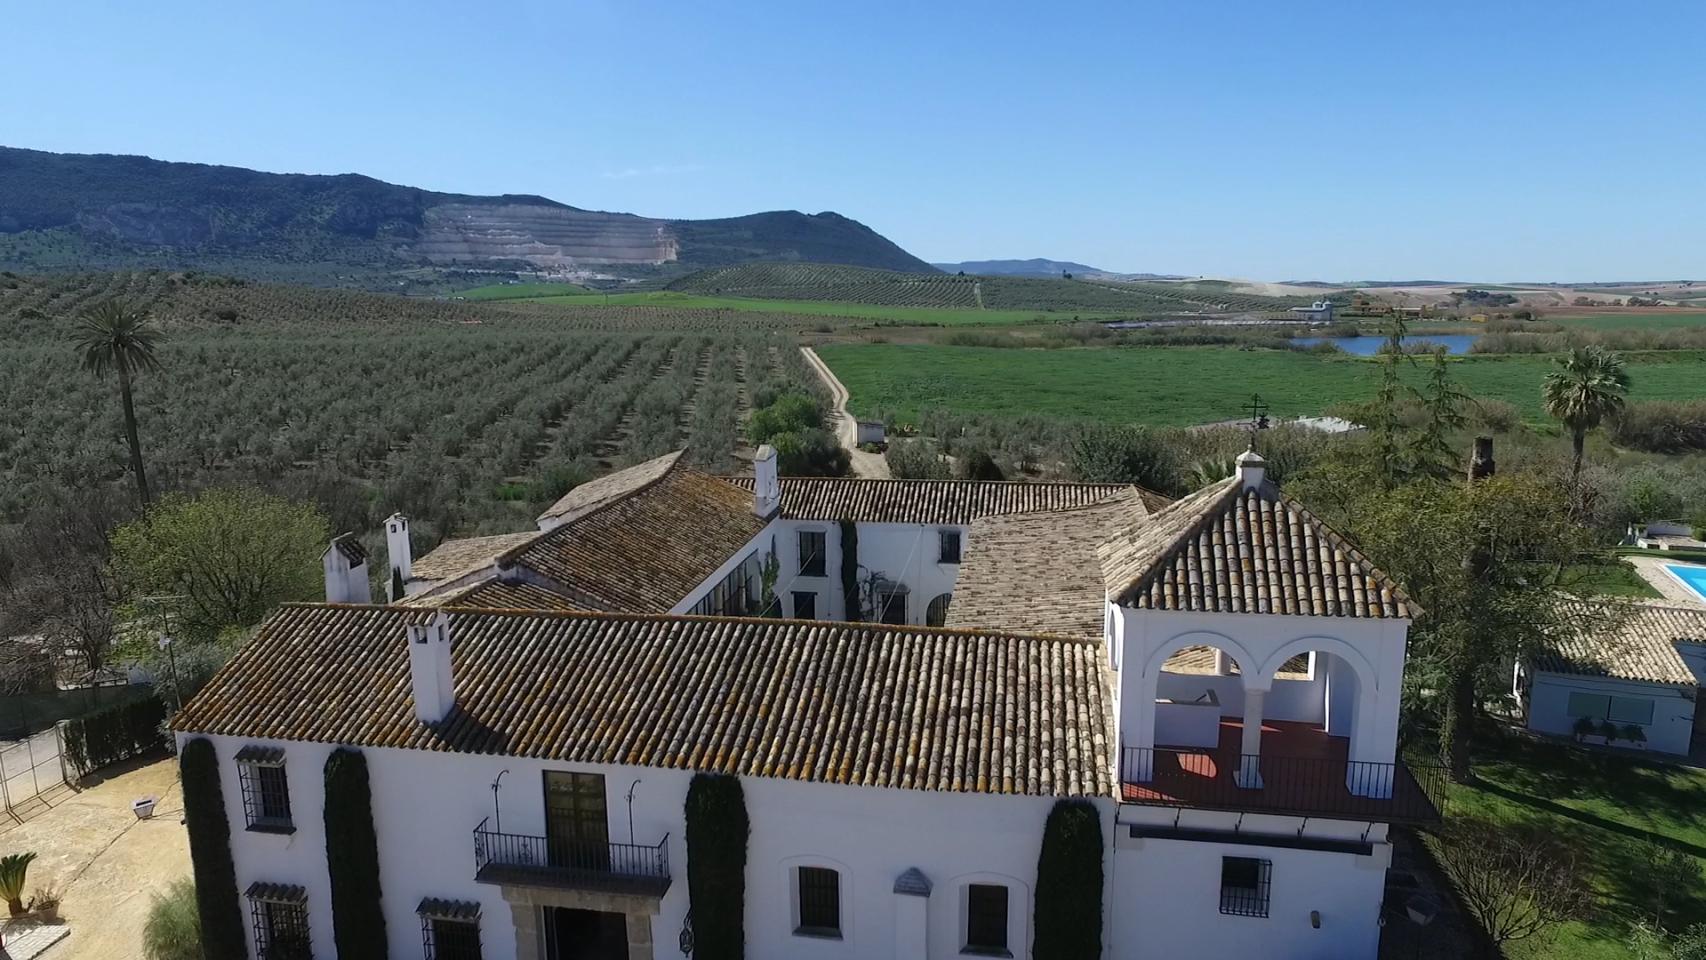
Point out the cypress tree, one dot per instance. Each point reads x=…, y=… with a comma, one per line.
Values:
x=210, y=853
x=1068, y=919
x=850, y=568
x=717, y=830
x=352, y=858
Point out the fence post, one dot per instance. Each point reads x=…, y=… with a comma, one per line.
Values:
x=59, y=742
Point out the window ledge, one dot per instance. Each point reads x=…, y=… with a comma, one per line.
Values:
x=970, y=951
x=279, y=828
x=817, y=933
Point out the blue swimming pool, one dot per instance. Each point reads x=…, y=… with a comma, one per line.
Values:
x=1692, y=577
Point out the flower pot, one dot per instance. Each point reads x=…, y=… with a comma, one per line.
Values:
x=143, y=808
x=48, y=913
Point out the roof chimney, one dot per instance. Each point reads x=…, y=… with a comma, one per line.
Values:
x=1481, y=463
x=345, y=562
x=766, y=487
x=429, y=668
x=397, y=547
x=1251, y=469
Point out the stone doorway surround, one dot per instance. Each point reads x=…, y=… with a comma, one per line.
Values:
x=525, y=903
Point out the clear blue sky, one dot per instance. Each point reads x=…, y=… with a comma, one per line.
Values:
x=1481, y=140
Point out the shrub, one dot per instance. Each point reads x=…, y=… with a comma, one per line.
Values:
x=114, y=734
x=1583, y=727
x=809, y=453
x=1124, y=455
x=1069, y=884
x=352, y=857
x=979, y=465
x=1498, y=416
x=210, y=852
x=14, y=869
x=173, y=930
x=915, y=460
x=789, y=413
x=1661, y=426
x=717, y=831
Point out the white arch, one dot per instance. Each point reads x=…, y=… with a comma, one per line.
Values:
x=1202, y=638
x=1366, y=675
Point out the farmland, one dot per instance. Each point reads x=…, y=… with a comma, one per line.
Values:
x=1177, y=386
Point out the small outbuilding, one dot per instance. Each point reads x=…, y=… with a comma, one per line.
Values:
x=1632, y=671
x=871, y=431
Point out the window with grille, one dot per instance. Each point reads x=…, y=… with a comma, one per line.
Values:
x=986, y=919
x=266, y=790
x=1244, y=886
x=805, y=605
x=949, y=541
x=447, y=939
x=280, y=919
x=891, y=605
x=820, y=902
x=811, y=553
x=936, y=614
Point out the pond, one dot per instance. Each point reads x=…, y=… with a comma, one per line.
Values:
x=1454, y=343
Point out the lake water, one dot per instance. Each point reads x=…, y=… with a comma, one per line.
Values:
x=1454, y=343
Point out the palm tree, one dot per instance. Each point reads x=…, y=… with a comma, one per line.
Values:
x=1589, y=385
x=116, y=336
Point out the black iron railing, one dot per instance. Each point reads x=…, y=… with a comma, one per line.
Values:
x=515, y=857
x=1294, y=786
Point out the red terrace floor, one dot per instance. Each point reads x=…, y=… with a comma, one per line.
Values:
x=1304, y=772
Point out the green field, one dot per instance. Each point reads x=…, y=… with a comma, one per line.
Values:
x=912, y=316
x=1178, y=386
x=1633, y=321
x=522, y=291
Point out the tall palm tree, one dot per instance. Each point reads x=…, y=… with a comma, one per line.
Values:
x=115, y=336
x=1589, y=385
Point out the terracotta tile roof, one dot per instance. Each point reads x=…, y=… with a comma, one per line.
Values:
x=860, y=704
x=1625, y=640
x=1229, y=548
x=955, y=502
x=495, y=594
x=593, y=494
x=1039, y=572
x=351, y=548
x=644, y=552
x=454, y=559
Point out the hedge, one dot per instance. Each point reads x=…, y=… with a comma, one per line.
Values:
x=116, y=733
x=716, y=866
x=1068, y=917
x=352, y=857
x=850, y=568
x=210, y=853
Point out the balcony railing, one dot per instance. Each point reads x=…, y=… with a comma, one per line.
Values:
x=1290, y=786
x=513, y=858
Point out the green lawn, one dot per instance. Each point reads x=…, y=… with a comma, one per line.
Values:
x=1612, y=579
x=1607, y=808
x=1175, y=386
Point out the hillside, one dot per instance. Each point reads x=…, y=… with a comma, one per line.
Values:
x=1034, y=267
x=60, y=211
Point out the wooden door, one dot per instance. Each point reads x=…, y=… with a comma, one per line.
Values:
x=577, y=825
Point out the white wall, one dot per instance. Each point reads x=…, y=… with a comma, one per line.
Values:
x=904, y=552
x=1673, y=711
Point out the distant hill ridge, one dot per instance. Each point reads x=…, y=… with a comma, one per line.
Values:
x=62, y=210
x=1034, y=267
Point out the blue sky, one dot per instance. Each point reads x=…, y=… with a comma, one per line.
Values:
x=1486, y=140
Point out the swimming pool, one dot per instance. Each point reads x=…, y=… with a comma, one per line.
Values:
x=1692, y=577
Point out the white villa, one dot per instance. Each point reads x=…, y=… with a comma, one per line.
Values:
x=1219, y=676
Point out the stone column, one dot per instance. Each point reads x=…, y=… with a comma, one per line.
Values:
x=639, y=936
x=525, y=916
x=1250, y=751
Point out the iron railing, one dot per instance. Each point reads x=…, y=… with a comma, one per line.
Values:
x=520, y=858
x=1293, y=786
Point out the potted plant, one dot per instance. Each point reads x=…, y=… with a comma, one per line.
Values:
x=1633, y=733
x=13, y=868
x=1583, y=728
x=1609, y=731
x=44, y=903
x=143, y=807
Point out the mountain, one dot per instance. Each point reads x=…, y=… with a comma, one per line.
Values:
x=1036, y=267
x=109, y=211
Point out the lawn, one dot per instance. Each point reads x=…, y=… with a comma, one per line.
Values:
x=1615, y=578
x=1610, y=809
x=1176, y=386
x=912, y=316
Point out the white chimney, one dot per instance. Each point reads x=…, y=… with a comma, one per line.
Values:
x=766, y=487
x=398, y=548
x=429, y=669
x=345, y=562
x=1251, y=469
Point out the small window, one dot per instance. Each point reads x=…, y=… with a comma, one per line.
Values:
x=820, y=902
x=811, y=553
x=450, y=929
x=986, y=920
x=1244, y=886
x=1630, y=710
x=266, y=789
x=1591, y=705
x=279, y=915
x=805, y=605
x=950, y=546
x=936, y=614
x=891, y=605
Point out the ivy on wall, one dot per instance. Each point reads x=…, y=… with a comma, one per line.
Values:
x=850, y=568
x=717, y=830
x=1068, y=919
x=210, y=853
x=352, y=857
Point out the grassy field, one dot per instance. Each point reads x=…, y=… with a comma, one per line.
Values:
x=1610, y=809
x=913, y=316
x=1177, y=386
x=1631, y=321
x=523, y=291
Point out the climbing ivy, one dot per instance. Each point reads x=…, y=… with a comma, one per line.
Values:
x=1068, y=917
x=850, y=568
x=716, y=866
x=210, y=852
x=352, y=857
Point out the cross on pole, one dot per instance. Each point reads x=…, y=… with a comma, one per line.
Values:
x=1258, y=412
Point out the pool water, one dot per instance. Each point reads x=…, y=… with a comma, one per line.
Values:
x=1692, y=577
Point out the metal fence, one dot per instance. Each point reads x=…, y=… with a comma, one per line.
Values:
x=30, y=768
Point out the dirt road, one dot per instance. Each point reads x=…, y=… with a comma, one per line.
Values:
x=868, y=465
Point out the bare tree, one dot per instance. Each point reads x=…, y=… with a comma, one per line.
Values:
x=55, y=578
x=1516, y=881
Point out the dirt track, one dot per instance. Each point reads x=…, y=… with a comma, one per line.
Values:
x=868, y=465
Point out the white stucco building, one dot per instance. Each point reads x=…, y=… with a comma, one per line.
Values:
x=1218, y=677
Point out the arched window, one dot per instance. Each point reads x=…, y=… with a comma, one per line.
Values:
x=937, y=613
